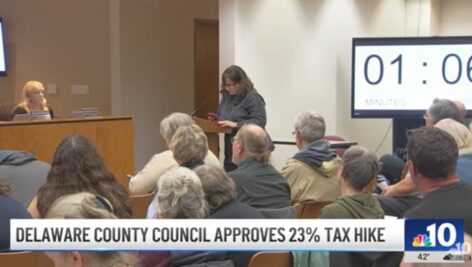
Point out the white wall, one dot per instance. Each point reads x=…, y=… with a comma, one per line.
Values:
x=298, y=54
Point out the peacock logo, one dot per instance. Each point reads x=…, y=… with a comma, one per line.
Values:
x=422, y=241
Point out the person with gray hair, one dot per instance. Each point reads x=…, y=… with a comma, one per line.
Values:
x=463, y=138
x=312, y=173
x=180, y=196
x=359, y=168
x=145, y=181
x=189, y=146
x=441, y=109
x=258, y=184
x=220, y=194
x=85, y=205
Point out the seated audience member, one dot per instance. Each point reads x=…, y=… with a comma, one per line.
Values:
x=9, y=209
x=441, y=109
x=220, y=194
x=462, y=113
x=359, y=168
x=24, y=173
x=86, y=206
x=180, y=196
x=258, y=184
x=189, y=147
x=33, y=99
x=145, y=180
x=399, y=197
x=432, y=160
x=463, y=138
x=77, y=167
x=313, y=172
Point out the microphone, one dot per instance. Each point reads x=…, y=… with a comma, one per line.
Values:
x=204, y=103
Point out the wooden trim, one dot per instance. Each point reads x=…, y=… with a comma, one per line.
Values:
x=74, y=120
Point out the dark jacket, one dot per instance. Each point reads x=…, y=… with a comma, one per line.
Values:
x=260, y=185
x=453, y=201
x=20, y=110
x=236, y=210
x=9, y=209
x=250, y=110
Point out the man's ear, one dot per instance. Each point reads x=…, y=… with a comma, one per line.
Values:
x=411, y=168
x=341, y=171
x=239, y=147
x=77, y=260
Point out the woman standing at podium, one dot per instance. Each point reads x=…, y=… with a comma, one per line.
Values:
x=33, y=99
x=240, y=104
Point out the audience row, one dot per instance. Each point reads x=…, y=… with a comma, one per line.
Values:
x=189, y=182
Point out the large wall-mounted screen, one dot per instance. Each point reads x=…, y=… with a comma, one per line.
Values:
x=400, y=77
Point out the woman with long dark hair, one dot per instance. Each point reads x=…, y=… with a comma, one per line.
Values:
x=240, y=104
x=77, y=167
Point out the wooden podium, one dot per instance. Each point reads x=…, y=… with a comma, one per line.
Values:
x=212, y=130
x=112, y=136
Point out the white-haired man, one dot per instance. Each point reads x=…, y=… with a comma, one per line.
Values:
x=312, y=173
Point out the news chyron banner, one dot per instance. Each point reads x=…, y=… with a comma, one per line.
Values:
x=422, y=240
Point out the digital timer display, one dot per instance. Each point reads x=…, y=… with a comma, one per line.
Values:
x=400, y=77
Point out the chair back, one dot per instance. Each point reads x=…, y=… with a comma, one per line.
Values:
x=298, y=207
x=141, y=204
x=28, y=258
x=339, y=151
x=311, y=209
x=6, y=112
x=272, y=259
x=280, y=213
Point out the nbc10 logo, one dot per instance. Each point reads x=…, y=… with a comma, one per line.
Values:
x=433, y=235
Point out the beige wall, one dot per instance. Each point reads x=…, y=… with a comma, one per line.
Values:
x=143, y=48
x=157, y=73
x=62, y=42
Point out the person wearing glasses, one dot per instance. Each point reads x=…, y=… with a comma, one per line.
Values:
x=240, y=104
x=33, y=99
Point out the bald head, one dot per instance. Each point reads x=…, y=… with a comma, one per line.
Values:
x=462, y=111
x=251, y=141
